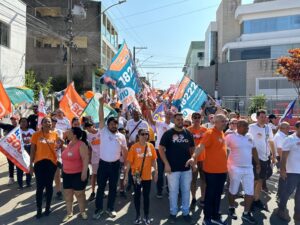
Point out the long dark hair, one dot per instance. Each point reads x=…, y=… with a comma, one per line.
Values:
x=80, y=134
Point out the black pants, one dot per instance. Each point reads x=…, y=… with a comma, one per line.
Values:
x=161, y=174
x=11, y=168
x=107, y=171
x=214, y=188
x=44, y=172
x=146, y=185
x=20, y=172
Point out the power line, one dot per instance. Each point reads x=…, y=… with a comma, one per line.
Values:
x=169, y=18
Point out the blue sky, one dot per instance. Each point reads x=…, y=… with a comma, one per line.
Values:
x=166, y=28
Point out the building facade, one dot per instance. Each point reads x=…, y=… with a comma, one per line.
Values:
x=12, y=42
x=94, y=41
x=194, y=59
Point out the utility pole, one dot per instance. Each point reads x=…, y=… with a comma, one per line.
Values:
x=134, y=53
x=153, y=83
x=69, y=43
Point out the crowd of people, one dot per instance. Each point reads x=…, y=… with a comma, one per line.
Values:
x=131, y=152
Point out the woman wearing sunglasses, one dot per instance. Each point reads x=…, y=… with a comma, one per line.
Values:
x=141, y=158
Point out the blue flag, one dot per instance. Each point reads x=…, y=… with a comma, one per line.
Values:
x=288, y=113
x=189, y=97
x=159, y=113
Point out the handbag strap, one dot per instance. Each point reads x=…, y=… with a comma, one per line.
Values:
x=135, y=128
x=48, y=144
x=146, y=148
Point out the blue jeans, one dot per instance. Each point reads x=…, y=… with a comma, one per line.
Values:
x=291, y=183
x=180, y=180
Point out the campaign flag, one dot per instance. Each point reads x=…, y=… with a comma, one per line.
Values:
x=288, y=113
x=19, y=95
x=92, y=110
x=189, y=97
x=41, y=108
x=122, y=75
x=5, y=104
x=72, y=104
x=59, y=95
x=12, y=147
x=159, y=113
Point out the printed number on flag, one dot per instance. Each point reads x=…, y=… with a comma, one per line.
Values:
x=187, y=95
x=126, y=76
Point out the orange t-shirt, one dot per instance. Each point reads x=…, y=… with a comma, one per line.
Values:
x=45, y=149
x=135, y=158
x=215, y=151
x=151, y=134
x=198, y=135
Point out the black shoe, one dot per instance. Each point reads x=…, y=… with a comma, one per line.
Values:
x=248, y=218
x=258, y=204
x=193, y=203
x=47, y=212
x=92, y=197
x=38, y=215
x=123, y=194
x=188, y=219
x=232, y=213
x=172, y=219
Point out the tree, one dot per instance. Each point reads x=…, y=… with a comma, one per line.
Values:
x=289, y=66
x=257, y=102
x=32, y=83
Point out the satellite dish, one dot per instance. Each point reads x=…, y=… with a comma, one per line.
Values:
x=253, y=117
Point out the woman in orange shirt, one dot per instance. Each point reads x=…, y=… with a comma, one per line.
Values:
x=141, y=158
x=43, y=156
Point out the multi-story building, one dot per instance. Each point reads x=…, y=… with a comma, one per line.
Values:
x=194, y=59
x=211, y=38
x=95, y=41
x=250, y=39
x=12, y=42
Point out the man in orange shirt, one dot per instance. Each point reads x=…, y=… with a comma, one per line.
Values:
x=198, y=131
x=215, y=168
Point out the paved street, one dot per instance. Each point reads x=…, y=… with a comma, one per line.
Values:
x=18, y=207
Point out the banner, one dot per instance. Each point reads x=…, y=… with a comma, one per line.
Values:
x=72, y=104
x=19, y=95
x=189, y=97
x=12, y=147
x=92, y=110
x=123, y=76
x=159, y=113
x=41, y=108
x=5, y=104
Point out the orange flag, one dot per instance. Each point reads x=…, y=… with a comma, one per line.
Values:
x=5, y=104
x=72, y=104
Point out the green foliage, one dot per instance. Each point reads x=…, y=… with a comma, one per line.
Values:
x=257, y=102
x=32, y=83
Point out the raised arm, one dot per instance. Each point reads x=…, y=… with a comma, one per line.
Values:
x=101, y=113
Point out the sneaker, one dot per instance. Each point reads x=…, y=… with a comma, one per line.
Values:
x=284, y=215
x=248, y=218
x=232, y=213
x=193, y=203
x=67, y=218
x=172, y=219
x=188, y=219
x=58, y=196
x=111, y=214
x=98, y=213
x=159, y=195
x=92, y=197
x=219, y=222
x=83, y=216
x=138, y=220
x=47, y=212
x=148, y=221
x=11, y=181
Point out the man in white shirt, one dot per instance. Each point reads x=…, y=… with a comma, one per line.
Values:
x=240, y=168
x=112, y=145
x=279, y=138
x=161, y=128
x=263, y=140
x=290, y=172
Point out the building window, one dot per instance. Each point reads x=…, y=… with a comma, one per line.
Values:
x=4, y=34
x=271, y=24
x=250, y=53
x=272, y=84
x=200, y=55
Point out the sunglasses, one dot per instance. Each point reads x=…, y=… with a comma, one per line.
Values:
x=144, y=134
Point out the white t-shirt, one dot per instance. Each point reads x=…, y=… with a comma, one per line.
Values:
x=110, y=146
x=273, y=127
x=278, y=140
x=26, y=136
x=131, y=124
x=261, y=140
x=122, y=122
x=292, y=145
x=208, y=125
x=161, y=128
x=240, y=150
x=94, y=140
x=63, y=124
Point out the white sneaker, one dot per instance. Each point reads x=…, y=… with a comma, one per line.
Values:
x=11, y=181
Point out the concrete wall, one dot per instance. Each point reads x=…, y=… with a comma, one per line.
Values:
x=12, y=58
x=49, y=61
x=205, y=77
